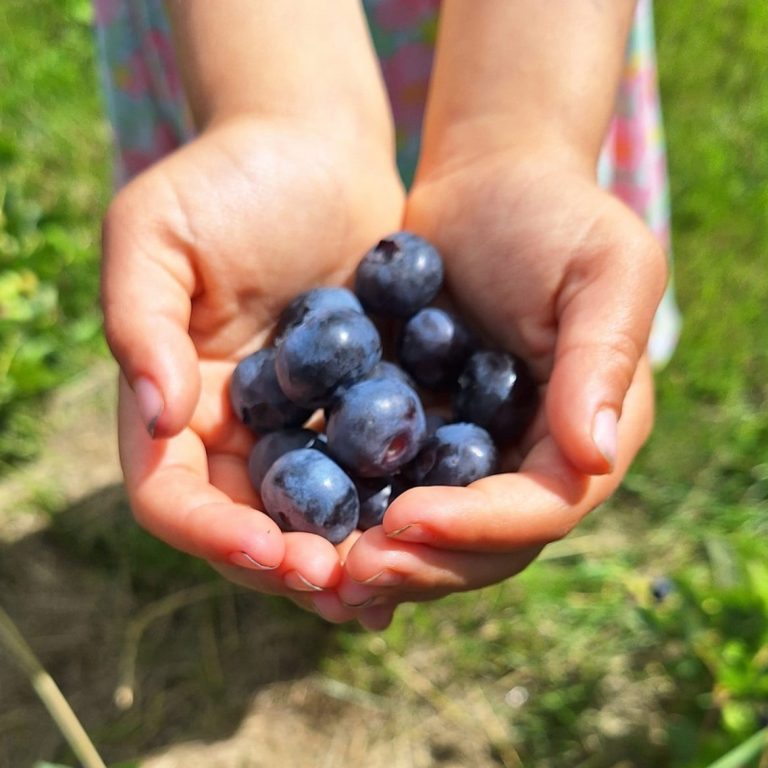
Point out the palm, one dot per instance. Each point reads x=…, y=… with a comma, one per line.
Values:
x=526, y=255
x=515, y=246
x=268, y=214
x=255, y=215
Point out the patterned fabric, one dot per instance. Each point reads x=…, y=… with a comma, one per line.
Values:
x=148, y=110
x=633, y=163
x=144, y=96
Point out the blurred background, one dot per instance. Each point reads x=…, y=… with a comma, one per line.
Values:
x=641, y=640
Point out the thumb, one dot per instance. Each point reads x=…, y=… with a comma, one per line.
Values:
x=605, y=311
x=146, y=287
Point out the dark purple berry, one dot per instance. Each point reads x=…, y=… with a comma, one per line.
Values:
x=304, y=490
x=382, y=370
x=328, y=350
x=399, y=275
x=376, y=427
x=457, y=454
x=661, y=588
x=385, y=369
x=434, y=347
x=374, y=493
x=272, y=446
x=497, y=392
x=256, y=396
x=315, y=300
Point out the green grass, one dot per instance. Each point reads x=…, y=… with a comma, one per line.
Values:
x=610, y=675
x=53, y=185
x=599, y=673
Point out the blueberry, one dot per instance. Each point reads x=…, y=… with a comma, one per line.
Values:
x=399, y=275
x=376, y=427
x=382, y=370
x=315, y=300
x=661, y=588
x=434, y=347
x=497, y=392
x=385, y=369
x=304, y=490
x=457, y=454
x=256, y=396
x=328, y=350
x=374, y=494
x=272, y=446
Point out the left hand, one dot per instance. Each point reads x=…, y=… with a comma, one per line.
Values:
x=558, y=271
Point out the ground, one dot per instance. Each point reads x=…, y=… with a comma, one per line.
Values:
x=252, y=692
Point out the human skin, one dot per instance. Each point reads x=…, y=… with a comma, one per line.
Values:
x=289, y=181
x=521, y=97
x=549, y=266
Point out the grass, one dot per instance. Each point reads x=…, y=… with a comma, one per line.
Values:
x=574, y=663
x=53, y=185
x=609, y=675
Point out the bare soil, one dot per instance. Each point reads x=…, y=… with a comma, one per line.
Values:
x=165, y=664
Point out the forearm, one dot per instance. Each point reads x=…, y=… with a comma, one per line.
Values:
x=287, y=59
x=525, y=74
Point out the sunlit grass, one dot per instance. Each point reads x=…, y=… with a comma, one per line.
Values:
x=579, y=663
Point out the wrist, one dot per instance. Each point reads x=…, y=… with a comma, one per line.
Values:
x=355, y=139
x=344, y=168
x=492, y=140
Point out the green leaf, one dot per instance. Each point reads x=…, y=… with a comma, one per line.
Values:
x=745, y=753
x=739, y=717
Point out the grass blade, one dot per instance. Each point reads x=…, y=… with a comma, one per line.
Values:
x=745, y=752
x=49, y=694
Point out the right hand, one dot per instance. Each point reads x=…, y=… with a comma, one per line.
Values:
x=201, y=253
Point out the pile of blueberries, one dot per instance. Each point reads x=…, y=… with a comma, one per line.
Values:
x=379, y=439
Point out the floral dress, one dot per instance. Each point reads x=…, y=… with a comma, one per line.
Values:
x=147, y=107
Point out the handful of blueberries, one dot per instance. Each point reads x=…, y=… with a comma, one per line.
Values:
x=379, y=440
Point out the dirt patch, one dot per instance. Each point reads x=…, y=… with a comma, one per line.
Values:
x=79, y=454
x=206, y=675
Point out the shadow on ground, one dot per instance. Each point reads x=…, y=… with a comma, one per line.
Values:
x=81, y=591
x=219, y=677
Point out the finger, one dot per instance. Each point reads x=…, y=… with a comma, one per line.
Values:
x=214, y=419
x=171, y=496
x=540, y=504
x=377, y=618
x=605, y=311
x=380, y=571
x=146, y=288
x=229, y=474
x=345, y=546
x=310, y=565
x=309, y=572
x=329, y=606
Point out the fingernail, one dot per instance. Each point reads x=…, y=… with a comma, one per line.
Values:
x=385, y=578
x=244, y=560
x=149, y=401
x=364, y=604
x=605, y=434
x=294, y=580
x=412, y=532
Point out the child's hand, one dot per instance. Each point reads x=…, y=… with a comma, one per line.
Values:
x=558, y=271
x=201, y=254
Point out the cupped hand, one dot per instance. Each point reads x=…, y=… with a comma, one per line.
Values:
x=555, y=269
x=201, y=253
